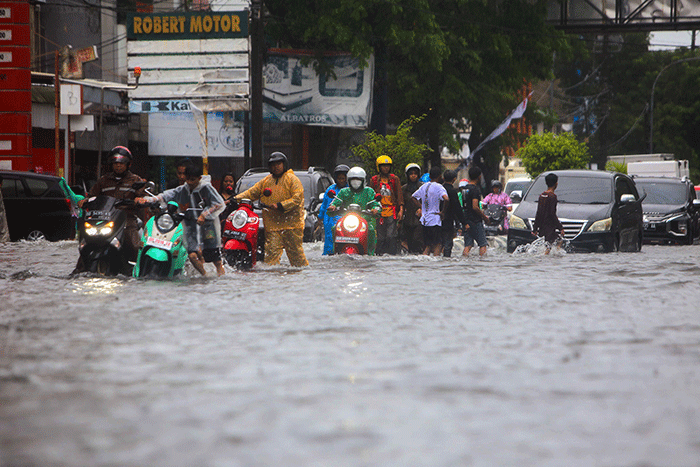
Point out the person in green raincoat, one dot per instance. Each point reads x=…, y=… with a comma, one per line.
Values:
x=357, y=193
x=74, y=199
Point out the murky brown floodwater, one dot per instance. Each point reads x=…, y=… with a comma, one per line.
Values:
x=513, y=360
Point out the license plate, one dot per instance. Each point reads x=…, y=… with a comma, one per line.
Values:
x=159, y=243
x=347, y=240
x=235, y=234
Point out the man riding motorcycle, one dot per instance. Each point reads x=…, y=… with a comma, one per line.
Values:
x=118, y=184
x=357, y=193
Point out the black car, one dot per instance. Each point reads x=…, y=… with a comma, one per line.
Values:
x=36, y=207
x=315, y=181
x=600, y=211
x=671, y=212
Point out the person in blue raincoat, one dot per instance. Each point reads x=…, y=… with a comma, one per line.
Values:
x=340, y=174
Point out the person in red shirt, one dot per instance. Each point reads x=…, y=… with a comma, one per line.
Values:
x=389, y=186
x=547, y=223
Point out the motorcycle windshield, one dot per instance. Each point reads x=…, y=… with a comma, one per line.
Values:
x=100, y=206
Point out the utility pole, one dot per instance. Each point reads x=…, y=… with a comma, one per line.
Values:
x=257, y=49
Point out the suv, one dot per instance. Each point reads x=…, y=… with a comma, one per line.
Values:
x=315, y=181
x=671, y=212
x=600, y=211
x=36, y=206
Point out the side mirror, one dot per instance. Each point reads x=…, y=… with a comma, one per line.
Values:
x=627, y=198
x=331, y=194
x=378, y=197
x=267, y=192
x=516, y=196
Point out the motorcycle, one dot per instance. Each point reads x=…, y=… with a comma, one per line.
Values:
x=497, y=215
x=243, y=246
x=101, y=232
x=163, y=253
x=352, y=232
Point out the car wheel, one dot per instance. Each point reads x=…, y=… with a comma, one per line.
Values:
x=35, y=235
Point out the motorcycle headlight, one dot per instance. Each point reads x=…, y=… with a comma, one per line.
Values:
x=90, y=229
x=517, y=223
x=165, y=223
x=106, y=229
x=602, y=225
x=351, y=223
x=239, y=219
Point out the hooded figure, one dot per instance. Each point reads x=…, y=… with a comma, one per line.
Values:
x=341, y=181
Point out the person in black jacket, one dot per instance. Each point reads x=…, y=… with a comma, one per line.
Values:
x=454, y=213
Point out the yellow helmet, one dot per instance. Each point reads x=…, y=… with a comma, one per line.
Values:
x=381, y=160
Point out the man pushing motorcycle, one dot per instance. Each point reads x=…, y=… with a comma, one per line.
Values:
x=283, y=213
x=357, y=193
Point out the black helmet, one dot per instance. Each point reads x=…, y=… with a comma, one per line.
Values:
x=278, y=157
x=120, y=154
x=496, y=183
x=341, y=169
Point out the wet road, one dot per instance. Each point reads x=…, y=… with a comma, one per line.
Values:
x=511, y=360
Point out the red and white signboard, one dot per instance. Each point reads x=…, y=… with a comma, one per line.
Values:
x=15, y=85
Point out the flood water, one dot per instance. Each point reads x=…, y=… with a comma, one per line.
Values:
x=511, y=360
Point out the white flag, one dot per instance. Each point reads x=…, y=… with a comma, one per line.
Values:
x=515, y=114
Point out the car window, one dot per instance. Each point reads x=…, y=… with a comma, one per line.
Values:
x=36, y=186
x=575, y=190
x=512, y=186
x=246, y=182
x=624, y=187
x=663, y=193
x=12, y=188
x=323, y=184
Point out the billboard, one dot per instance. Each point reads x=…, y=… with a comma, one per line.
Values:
x=176, y=134
x=294, y=93
x=190, y=55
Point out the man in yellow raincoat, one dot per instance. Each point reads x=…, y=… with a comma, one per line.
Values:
x=283, y=215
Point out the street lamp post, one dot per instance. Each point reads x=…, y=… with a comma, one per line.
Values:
x=651, y=102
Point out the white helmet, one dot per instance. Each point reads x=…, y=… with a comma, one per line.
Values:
x=356, y=173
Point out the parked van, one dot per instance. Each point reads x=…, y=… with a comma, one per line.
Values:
x=600, y=211
x=674, y=169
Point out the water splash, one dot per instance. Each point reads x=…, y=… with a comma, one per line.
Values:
x=541, y=247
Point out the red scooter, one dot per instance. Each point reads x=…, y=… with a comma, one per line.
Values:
x=351, y=235
x=242, y=244
x=352, y=232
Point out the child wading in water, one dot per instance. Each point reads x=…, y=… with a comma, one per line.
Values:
x=546, y=221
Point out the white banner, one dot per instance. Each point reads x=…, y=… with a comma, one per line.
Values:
x=514, y=115
x=294, y=93
x=176, y=134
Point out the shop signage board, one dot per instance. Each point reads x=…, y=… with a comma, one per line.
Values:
x=294, y=93
x=176, y=134
x=188, y=55
x=15, y=84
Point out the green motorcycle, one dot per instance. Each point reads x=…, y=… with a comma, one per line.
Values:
x=163, y=254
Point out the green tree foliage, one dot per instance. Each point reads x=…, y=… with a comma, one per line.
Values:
x=401, y=147
x=609, y=91
x=452, y=60
x=612, y=166
x=553, y=152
